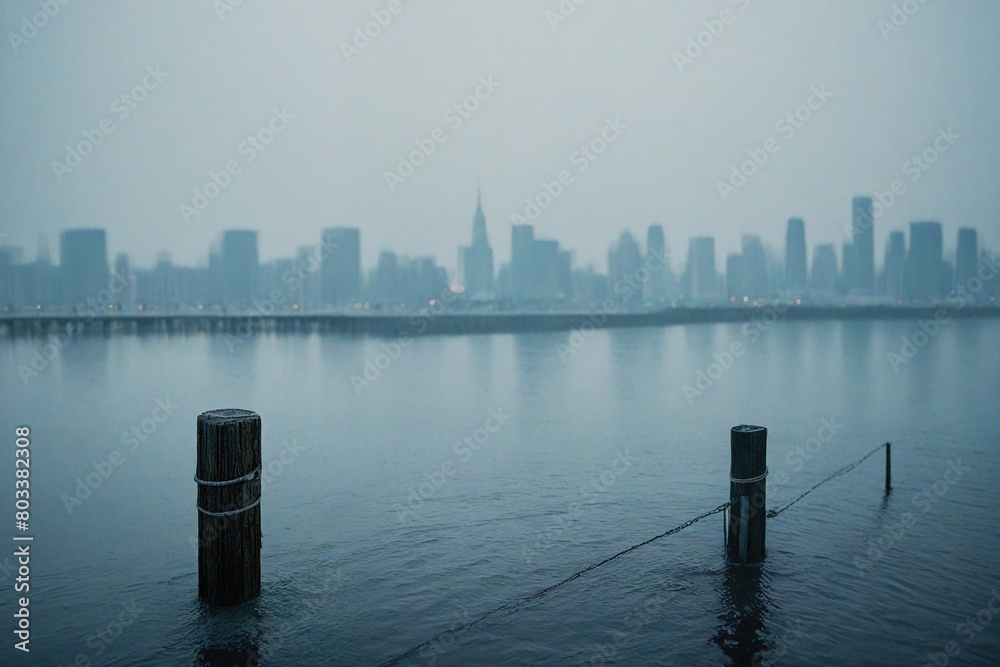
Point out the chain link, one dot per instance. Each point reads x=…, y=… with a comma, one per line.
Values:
x=514, y=606
x=843, y=471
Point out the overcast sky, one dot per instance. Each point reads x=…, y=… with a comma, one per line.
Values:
x=887, y=96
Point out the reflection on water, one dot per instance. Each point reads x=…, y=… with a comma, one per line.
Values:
x=363, y=451
x=743, y=633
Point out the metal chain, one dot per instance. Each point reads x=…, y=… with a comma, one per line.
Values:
x=843, y=471
x=514, y=606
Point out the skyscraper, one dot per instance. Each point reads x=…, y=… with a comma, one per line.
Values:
x=658, y=285
x=862, y=238
x=341, y=271
x=754, y=267
x=824, y=270
x=895, y=265
x=240, y=265
x=385, y=284
x=967, y=256
x=795, y=256
x=624, y=261
x=477, y=260
x=521, y=261
x=925, y=265
x=83, y=265
x=546, y=269
x=700, y=278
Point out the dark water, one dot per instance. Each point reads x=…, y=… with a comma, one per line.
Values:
x=598, y=449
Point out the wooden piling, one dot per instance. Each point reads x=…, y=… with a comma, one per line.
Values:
x=888, y=467
x=229, y=484
x=748, y=493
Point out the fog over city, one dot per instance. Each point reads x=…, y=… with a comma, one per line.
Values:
x=314, y=117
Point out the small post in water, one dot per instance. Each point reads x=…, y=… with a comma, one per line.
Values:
x=228, y=478
x=748, y=494
x=888, y=467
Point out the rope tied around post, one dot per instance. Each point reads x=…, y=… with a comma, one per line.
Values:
x=751, y=480
x=253, y=474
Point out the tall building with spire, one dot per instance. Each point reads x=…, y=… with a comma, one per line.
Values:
x=476, y=261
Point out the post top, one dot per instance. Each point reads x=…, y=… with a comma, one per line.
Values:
x=748, y=428
x=227, y=415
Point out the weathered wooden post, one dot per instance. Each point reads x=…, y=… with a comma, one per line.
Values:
x=748, y=494
x=888, y=467
x=228, y=477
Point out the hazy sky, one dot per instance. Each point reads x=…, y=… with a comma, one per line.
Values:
x=220, y=80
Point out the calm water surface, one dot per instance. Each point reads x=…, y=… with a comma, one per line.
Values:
x=384, y=526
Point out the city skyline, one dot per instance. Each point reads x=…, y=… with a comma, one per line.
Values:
x=311, y=151
x=917, y=268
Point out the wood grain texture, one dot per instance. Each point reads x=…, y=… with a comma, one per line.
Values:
x=748, y=451
x=229, y=546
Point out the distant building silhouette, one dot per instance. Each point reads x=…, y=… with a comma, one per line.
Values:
x=83, y=265
x=658, y=287
x=476, y=260
x=966, y=257
x=795, y=256
x=341, y=271
x=385, y=284
x=240, y=265
x=624, y=262
x=894, y=275
x=925, y=265
x=700, y=279
x=823, y=279
x=754, y=267
x=522, y=244
x=863, y=245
